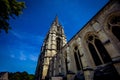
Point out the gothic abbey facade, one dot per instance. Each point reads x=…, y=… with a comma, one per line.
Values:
x=92, y=54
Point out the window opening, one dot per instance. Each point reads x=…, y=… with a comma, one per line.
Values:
x=96, y=47
x=116, y=32
x=103, y=52
x=76, y=60
x=58, y=43
x=94, y=54
x=114, y=26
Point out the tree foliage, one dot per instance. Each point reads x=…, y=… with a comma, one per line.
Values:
x=9, y=9
x=20, y=76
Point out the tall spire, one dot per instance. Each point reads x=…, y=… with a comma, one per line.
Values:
x=56, y=20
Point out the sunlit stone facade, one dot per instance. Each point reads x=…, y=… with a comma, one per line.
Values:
x=92, y=54
x=52, y=44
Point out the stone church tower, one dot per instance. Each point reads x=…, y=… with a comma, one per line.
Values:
x=54, y=41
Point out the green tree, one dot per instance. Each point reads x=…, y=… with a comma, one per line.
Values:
x=21, y=76
x=9, y=9
x=17, y=76
x=24, y=76
x=31, y=77
x=14, y=76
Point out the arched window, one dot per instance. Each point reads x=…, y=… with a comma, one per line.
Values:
x=58, y=43
x=97, y=50
x=114, y=26
x=77, y=59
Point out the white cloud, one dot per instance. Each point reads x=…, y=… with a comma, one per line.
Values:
x=12, y=56
x=16, y=34
x=22, y=56
x=36, y=39
x=33, y=58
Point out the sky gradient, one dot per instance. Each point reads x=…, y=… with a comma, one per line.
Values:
x=20, y=48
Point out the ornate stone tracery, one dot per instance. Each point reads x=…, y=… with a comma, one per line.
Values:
x=97, y=50
x=114, y=25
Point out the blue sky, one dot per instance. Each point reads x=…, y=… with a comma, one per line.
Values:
x=20, y=48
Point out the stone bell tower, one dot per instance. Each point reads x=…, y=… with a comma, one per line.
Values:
x=54, y=41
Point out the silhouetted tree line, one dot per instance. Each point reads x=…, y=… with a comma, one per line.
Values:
x=21, y=76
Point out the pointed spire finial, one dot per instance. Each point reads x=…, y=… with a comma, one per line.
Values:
x=56, y=20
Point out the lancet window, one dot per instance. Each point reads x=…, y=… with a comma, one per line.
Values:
x=77, y=58
x=97, y=50
x=58, y=43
